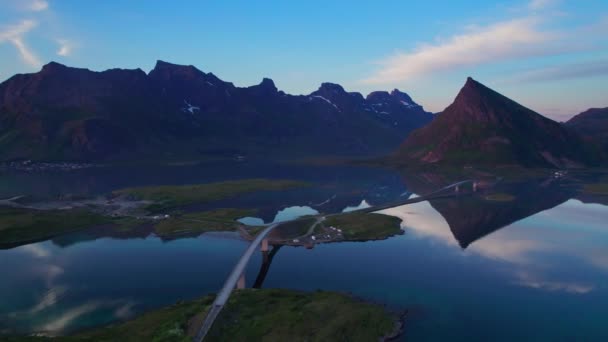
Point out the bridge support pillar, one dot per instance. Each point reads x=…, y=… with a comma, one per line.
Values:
x=474, y=186
x=264, y=246
x=241, y=283
x=457, y=188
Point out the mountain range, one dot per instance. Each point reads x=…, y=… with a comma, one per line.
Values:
x=482, y=126
x=65, y=113
x=177, y=111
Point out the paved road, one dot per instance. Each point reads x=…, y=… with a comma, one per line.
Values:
x=238, y=270
x=230, y=283
x=425, y=197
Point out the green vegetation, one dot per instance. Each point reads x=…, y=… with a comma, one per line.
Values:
x=171, y=196
x=500, y=197
x=363, y=226
x=284, y=315
x=125, y=224
x=18, y=226
x=293, y=229
x=200, y=222
x=253, y=315
x=166, y=324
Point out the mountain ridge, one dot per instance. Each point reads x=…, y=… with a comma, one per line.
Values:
x=65, y=113
x=593, y=125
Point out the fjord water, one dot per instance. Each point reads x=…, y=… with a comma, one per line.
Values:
x=533, y=268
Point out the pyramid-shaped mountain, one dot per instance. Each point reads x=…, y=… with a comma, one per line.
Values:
x=482, y=126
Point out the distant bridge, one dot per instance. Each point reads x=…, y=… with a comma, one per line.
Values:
x=458, y=188
x=236, y=279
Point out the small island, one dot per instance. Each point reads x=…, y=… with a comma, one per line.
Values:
x=166, y=211
x=256, y=315
x=158, y=207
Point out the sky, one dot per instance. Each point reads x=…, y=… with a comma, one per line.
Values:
x=549, y=55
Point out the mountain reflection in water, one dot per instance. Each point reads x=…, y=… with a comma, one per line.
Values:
x=534, y=259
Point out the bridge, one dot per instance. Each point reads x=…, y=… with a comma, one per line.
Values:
x=236, y=278
x=457, y=187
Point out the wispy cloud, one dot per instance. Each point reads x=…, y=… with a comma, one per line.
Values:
x=531, y=33
x=562, y=72
x=19, y=29
x=541, y=4
x=65, y=47
x=26, y=54
x=38, y=5
x=516, y=38
x=14, y=35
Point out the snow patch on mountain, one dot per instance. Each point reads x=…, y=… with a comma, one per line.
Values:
x=190, y=108
x=326, y=100
x=409, y=105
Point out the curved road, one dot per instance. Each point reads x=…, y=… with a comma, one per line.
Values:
x=230, y=284
x=238, y=270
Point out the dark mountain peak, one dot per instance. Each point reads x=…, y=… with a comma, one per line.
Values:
x=265, y=87
x=55, y=69
x=593, y=125
x=333, y=92
x=268, y=84
x=60, y=72
x=394, y=96
x=332, y=95
x=331, y=87
x=357, y=96
x=476, y=102
x=404, y=98
x=401, y=95
x=474, y=89
x=166, y=65
x=591, y=113
x=166, y=70
x=52, y=66
x=483, y=126
x=118, y=71
x=378, y=96
x=472, y=85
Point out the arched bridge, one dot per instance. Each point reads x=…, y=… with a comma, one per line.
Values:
x=236, y=279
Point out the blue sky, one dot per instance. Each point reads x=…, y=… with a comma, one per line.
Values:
x=549, y=55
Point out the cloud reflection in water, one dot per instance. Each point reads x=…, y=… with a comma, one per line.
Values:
x=542, y=251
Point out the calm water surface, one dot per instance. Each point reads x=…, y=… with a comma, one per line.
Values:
x=465, y=269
